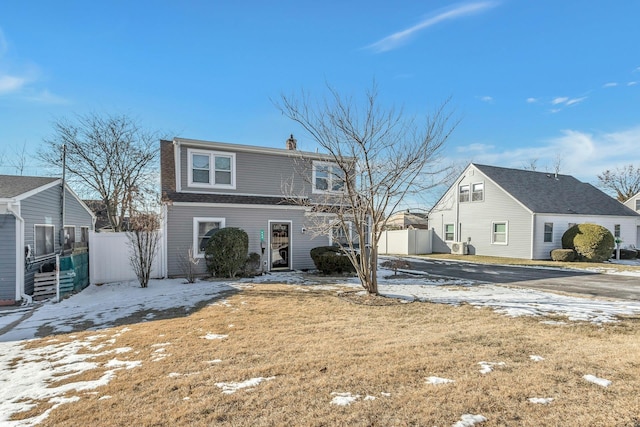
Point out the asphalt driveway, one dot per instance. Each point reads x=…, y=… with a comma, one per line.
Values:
x=571, y=281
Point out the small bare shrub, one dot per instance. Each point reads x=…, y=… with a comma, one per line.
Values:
x=188, y=265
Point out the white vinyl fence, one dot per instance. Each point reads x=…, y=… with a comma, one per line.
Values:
x=405, y=242
x=109, y=255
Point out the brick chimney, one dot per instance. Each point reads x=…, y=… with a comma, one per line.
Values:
x=292, y=143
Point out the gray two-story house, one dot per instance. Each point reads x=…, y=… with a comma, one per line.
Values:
x=211, y=185
x=516, y=213
x=35, y=225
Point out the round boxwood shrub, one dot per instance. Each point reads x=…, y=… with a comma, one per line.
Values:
x=227, y=252
x=331, y=260
x=566, y=255
x=592, y=242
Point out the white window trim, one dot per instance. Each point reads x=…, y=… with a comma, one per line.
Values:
x=314, y=190
x=338, y=224
x=82, y=228
x=471, y=192
x=468, y=194
x=196, y=220
x=212, y=155
x=506, y=233
x=444, y=232
x=35, y=242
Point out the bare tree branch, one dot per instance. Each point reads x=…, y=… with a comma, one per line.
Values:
x=624, y=182
x=381, y=157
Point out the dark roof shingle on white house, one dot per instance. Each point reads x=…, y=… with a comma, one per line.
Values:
x=14, y=185
x=550, y=193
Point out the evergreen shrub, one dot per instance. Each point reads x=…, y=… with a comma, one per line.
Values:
x=226, y=252
x=592, y=242
x=331, y=260
x=565, y=255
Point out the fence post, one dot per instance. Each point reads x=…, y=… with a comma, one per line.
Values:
x=57, y=278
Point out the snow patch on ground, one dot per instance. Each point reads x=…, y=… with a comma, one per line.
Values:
x=599, y=381
x=438, y=380
x=470, y=420
x=230, y=388
x=541, y=400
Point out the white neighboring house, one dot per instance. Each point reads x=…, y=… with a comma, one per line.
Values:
x=634, y=203
x=516, y=213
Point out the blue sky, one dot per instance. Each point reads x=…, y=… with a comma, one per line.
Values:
x=528, y=79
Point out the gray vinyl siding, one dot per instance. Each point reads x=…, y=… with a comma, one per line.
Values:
x=76, y=215
x=251, y=219
x=256, y=173
x=7, y=258
x=475, y=220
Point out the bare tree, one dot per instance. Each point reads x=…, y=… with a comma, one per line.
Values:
x=21, y=158
x=378, y=157
x=531, y=164
x=144, y=238
x=624, y=182
x=110, y=157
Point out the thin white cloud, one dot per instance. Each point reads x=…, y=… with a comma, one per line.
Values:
x=486, y=99
x=632, y=83
x=46, y=97
x=575, y=101
x=397, y=39
x=583, y=154
x=637, y=70
x=9, y=84
x=559, y=100
x=532, y=100
x=610, y=84
x=555, y=110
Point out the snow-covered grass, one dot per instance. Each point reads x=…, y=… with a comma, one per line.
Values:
x=54, y=370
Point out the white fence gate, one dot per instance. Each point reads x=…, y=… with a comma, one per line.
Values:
x=109, y=255
x=405, y=242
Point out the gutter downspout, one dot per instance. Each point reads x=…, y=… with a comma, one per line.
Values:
x=19, y=256
x=533, y=233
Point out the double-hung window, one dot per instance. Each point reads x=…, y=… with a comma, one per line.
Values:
x=327, y=177
x=464, y=193
x=616, y=231
x=69, y=236
x=449, y=234
x=638, y=204
x=44, y=236
x=212, y=169
x=548, y=232
x=499, y=232
x=203, y=229
x=478, y=192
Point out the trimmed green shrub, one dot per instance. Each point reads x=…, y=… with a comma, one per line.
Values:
x=252, y=264
x=227, y=252
x=566, y=255
x=592, y=242
x=331, y=260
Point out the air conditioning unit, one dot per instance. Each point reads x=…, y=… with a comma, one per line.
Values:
x=459, y=248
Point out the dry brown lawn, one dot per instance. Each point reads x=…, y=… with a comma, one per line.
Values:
x=314, y=343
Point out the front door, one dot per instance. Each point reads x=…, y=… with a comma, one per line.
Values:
x=280, y=245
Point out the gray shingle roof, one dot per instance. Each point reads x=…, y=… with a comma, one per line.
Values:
x=543, y=192
x=13, y=185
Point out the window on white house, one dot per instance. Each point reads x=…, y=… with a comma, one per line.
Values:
x=548, y=232
x=638, y=204
x=203, y=229
x=499, y=233
x=449, y=234
x=44, y=236
x=69, y=236
x=211, y=169
x=327, y=177
x=342, y=234
x=478, y=192
x=464, y=193
x=616, y=231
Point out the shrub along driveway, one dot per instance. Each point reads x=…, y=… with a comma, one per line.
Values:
x=553, y=279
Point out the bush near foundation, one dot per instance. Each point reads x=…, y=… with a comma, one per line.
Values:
x=565, y=255
x=227, y=252
x=592, y=242
x=331, y=260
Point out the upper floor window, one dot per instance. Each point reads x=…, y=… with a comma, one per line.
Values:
x=548, y=232
x=44, y=239
x=478, y=192
x=327, y=177
x=212, y=169
x=616, y=231
x=464, y=193
x=638, y=204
